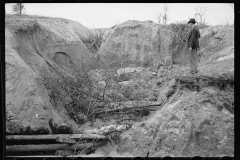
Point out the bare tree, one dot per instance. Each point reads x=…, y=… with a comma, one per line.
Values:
x=200, y=15
x=163, y=17
x=18, y=8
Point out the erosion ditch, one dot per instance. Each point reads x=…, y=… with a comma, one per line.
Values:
x=139, y=113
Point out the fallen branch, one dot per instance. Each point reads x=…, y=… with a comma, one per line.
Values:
x=125, y=110
x=137, y=103
x=130, y=107
x=54, y=137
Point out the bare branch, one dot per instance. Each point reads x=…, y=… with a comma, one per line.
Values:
x=200, y=14
x=163, y=16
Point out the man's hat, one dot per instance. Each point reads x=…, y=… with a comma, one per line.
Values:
x=192, y=20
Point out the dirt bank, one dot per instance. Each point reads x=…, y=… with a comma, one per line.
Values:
x=33, y=42
x=194, y=113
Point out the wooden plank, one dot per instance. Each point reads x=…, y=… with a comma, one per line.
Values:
x=47, y=147
x=53, y=137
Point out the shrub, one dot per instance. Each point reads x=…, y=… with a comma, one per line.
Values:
x=181, y=31
x=84, y=98
x=72, y=89
x=77, y=92
x=94, y=42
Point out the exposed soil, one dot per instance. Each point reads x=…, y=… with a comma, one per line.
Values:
x=195, y=115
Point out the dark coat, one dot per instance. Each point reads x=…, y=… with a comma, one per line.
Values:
x=193, y=41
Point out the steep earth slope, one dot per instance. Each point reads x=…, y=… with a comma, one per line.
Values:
x=136, y=43
x=32, y=42
x=145, y=44
x=217, y=43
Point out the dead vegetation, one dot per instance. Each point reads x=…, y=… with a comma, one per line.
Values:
x=74, y=92
x=94, y=101
x=84, y=98
x=181, y=32
x=94, y=42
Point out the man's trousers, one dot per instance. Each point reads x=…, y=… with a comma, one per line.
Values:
x=193, y=60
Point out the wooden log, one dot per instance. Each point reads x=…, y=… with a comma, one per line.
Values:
x=47, y=147
x=53, y=137
x=66, y=140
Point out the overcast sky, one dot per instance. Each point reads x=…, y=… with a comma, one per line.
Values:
x=105, y=15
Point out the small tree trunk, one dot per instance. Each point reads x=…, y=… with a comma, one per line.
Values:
x=20, y=8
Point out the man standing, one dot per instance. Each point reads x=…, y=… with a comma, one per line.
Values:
x=193, y=45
